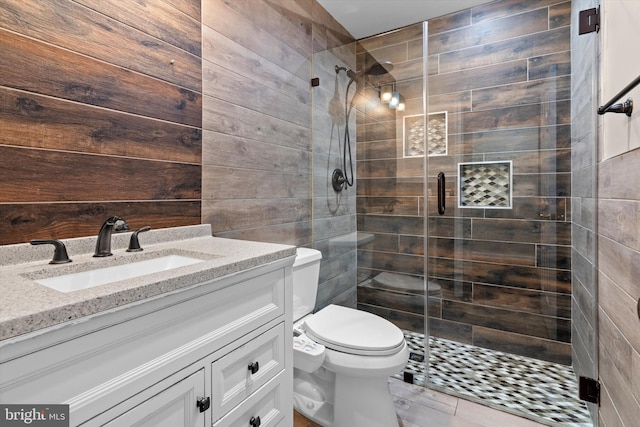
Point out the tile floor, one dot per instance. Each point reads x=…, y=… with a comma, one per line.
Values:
x=539, y=390
x=421, y=407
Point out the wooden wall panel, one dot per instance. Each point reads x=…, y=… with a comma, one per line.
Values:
x=37, y=67
x=94, y=119
x=26, y=221
x=96, y=35
x=32, y=120
x=163, y=20
x=258, y=142
x=45, y=176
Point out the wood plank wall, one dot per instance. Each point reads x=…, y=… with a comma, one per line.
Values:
x=259, y=155
x=502, y=72
x=100, y=115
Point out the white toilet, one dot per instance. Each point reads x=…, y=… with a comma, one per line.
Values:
x=342, y=357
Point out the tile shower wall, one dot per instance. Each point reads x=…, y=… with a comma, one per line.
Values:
x=334, y=212
x=502, y=72
x=618, y=219
x=173, y=120
x=267, y=134
x=95, y=119
x=390, y=186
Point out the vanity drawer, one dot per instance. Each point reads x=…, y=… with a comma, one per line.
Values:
x=266, y=407
x=243, y=371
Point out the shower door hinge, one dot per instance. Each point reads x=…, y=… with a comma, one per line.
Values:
x=589, y=390
x=589, y=21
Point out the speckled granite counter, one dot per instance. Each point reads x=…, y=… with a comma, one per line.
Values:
x=26, y=306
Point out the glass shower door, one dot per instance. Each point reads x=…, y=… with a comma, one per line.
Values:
x=498, y=212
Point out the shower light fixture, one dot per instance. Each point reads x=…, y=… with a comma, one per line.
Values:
x=385, y=93
x=401, y=104
x=394, y=102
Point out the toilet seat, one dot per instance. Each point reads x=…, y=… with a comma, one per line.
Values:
x=353, y=331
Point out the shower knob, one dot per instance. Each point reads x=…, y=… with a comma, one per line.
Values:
x=338, y=180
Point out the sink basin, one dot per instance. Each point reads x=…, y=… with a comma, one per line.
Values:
x=102, y=276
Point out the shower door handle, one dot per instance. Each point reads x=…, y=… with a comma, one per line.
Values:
x=441, y=193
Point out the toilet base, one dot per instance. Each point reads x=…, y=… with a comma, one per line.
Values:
x=364, y=402
x=343, y=400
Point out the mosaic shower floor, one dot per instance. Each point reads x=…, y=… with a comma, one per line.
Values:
x=542, y=391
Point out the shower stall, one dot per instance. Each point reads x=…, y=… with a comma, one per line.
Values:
x=459, y=227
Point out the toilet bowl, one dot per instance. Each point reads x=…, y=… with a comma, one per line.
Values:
x=342, y=357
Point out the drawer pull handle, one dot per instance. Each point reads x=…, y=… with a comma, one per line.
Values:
x=254, y=421
x=254, y=367
x=203, y=403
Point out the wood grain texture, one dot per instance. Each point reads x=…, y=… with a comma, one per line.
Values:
x=36, y=121
x=490, y=32
x=508, y=320
x=484, y=250
x=94, y=118
x=226, y=215
x=189, y=7
x=502, y=72
x=98, y=36
x=502, y=8
x=302, y=421
x=544, y=303
x=25, y=221
x=163, y=20
x=220, y=50
x=557, y=281
x=243, y=30
x=524, y=345
x=45, y=176
x=519, y=48
x=37, y=67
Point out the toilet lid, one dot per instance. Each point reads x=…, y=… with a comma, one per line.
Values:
x=354, y=331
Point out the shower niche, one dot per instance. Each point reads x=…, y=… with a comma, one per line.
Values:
x=413, y=134
x=485, y=185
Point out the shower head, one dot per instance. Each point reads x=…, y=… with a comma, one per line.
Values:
x=350, y=73
x=375, y=69
x=379, y=68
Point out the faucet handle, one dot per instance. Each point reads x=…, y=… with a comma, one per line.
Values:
x=134, y=243
x=60, y=252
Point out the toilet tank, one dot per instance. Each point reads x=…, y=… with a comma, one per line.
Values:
x=306, y=272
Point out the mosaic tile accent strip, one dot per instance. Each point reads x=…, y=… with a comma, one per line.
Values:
x=485, y=184
x=437, y=134
x=542, y=391
x=413, y=131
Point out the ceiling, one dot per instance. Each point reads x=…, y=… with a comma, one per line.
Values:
x=364, y=18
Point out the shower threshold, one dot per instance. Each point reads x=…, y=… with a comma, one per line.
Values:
x=542, y=391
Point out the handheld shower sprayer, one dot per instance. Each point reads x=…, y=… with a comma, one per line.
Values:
x=341, y=179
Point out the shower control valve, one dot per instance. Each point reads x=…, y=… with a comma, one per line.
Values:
x=338, y=180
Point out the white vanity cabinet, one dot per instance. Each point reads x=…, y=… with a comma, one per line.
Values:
x=215, y=354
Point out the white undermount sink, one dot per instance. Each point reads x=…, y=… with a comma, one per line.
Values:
x=102, y=276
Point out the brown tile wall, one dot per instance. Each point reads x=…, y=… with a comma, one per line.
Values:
x=95, y=120
x=502, y=72
x=619, y=288
x=267, y=132
x=181, y=118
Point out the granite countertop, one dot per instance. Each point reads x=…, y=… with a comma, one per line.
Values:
x=26, y=306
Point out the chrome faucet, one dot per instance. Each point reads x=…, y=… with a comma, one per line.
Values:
x=103, y=244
